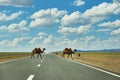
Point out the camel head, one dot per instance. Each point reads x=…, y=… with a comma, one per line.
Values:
x=75, y=50
x=44, y=49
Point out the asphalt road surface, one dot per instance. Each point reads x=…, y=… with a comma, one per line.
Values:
x=50, y=68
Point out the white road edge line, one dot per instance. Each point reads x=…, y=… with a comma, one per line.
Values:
x=30, y=77
x=96, y=68
x=38, y=65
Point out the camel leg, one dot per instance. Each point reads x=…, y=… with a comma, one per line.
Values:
x=37, y=56
x=71, y=56
x=68, y=56
x=63, y=56
x=32, y=55
x=40, y=56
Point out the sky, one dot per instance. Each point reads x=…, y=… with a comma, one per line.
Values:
x=57, y=24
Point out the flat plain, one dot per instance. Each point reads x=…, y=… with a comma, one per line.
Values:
x=6, y=56
x=106, y=60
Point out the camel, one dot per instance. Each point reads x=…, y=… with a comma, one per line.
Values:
x=37, y=51
x=68, y=51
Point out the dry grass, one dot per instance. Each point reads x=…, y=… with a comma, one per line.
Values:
x=106, y=60
x=5, y=56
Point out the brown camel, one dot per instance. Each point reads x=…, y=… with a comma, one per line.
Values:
x=68, y=51
x=37, y=51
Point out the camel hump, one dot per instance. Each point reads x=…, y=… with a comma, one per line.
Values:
x=70, y=49
x=66, y=49
x=35, y=48
x=39, y=49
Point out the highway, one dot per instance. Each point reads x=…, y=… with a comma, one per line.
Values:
x=50, y=68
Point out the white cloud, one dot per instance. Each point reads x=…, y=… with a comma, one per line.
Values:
x=3, y=42
x=103, y=9
x=48, y=40
x=53, y=12
x=54, y=43
x=77, y=18
x=34, y=40
x=83, y=29
x=14, y=42
x=112, y=42
x=16, y=3
x=70, y=24
x=46, y=18
x=95, y=43
x=114, y=24
x=88, y=39
x=103, y=30
x=116, y=1
x=77, y=30
x=51, y=42
x=42, y=40
x=14, y=27
x=61, y=42
x=41, y=34
x=41, y=23
x=115, y=32
x=101, y=12
x=57, y=43
x=91, y=16
x=87, y=43
x=73, y=19
x=38, y=39
x=78, y=3
x=4, y=17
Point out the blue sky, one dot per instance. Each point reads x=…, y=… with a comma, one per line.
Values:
x=56, y=24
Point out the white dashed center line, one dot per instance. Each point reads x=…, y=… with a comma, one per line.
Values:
x=38, y=65
x=41, y=60
x=30, y=77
